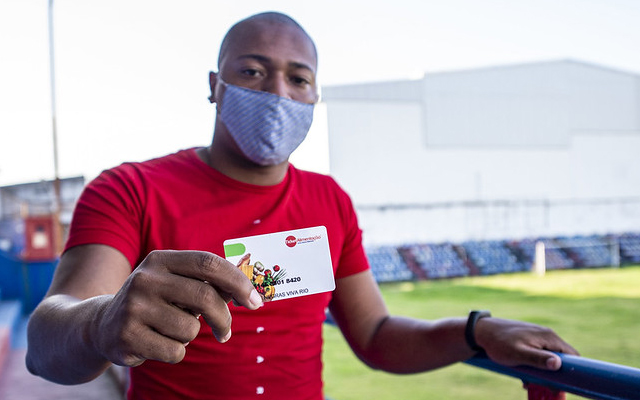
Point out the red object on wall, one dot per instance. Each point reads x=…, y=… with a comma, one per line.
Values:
x=537, y=392
x=40, y=238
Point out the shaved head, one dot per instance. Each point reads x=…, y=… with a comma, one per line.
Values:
x=268, y=18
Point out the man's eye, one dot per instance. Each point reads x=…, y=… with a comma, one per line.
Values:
x=300, y=80
x=250, y=72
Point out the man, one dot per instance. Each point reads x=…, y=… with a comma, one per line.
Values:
x=121, y=296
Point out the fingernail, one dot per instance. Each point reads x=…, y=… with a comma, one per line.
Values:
x=226, y=337
x=553, y=363
x=255, y=299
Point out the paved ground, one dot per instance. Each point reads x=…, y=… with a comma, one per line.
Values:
x=16, y=383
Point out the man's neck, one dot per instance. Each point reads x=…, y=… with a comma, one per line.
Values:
x=240, y=169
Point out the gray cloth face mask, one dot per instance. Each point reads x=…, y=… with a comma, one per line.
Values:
x=266, y=127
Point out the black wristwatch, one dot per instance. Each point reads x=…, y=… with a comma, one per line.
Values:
x=469, y=331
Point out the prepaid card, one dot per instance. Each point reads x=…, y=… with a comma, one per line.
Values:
x=286, y=264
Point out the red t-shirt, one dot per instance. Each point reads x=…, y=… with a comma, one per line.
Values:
x=178, y=202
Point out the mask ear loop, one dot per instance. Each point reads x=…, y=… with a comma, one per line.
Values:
x=212, y=98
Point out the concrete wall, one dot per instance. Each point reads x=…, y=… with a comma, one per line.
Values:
x=563, y=135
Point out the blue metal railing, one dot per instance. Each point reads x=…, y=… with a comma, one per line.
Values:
x=584, y=377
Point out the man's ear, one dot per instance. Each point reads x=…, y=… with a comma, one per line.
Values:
x=213, y=79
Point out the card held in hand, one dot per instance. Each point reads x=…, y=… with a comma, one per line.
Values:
x=287, y=264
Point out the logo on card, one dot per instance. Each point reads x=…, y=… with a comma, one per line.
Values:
x=291, y=240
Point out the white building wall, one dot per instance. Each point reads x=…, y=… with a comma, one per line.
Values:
x=497, y=107
x=536, y=150
x=530, y=105
x=602, y=99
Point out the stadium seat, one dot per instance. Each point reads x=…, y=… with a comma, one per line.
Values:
x=387, y=265
x=493, y=257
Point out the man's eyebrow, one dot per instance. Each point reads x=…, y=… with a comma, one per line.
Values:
x=301, y=65
x=264, y=59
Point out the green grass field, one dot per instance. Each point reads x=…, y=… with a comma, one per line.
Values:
x=597, y=311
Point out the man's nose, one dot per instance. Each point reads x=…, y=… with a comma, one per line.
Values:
x=277, y=85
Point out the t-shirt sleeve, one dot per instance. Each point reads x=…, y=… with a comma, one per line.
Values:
x=109, y=212
x=353, y=258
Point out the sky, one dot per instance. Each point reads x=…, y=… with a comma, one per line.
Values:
x=131, y=76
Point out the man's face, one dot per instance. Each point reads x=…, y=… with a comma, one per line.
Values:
x=275, y=58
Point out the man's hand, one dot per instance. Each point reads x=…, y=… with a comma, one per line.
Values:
x=98, y=311
x=155, y=313
x=513, y=343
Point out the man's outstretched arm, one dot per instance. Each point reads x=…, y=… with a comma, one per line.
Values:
x=407, y=345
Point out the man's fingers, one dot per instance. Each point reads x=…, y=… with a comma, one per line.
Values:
x=553, y=363
x=544, y=355
x=174, y=322
x=542, y=359
x=218, y=317
x=228, y=279
x=545, y=352
x=155, y=346
x=190, y=297
x=515, y=343
x=215, y=270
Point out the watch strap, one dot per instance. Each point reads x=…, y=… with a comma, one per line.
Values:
x=469, y=331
